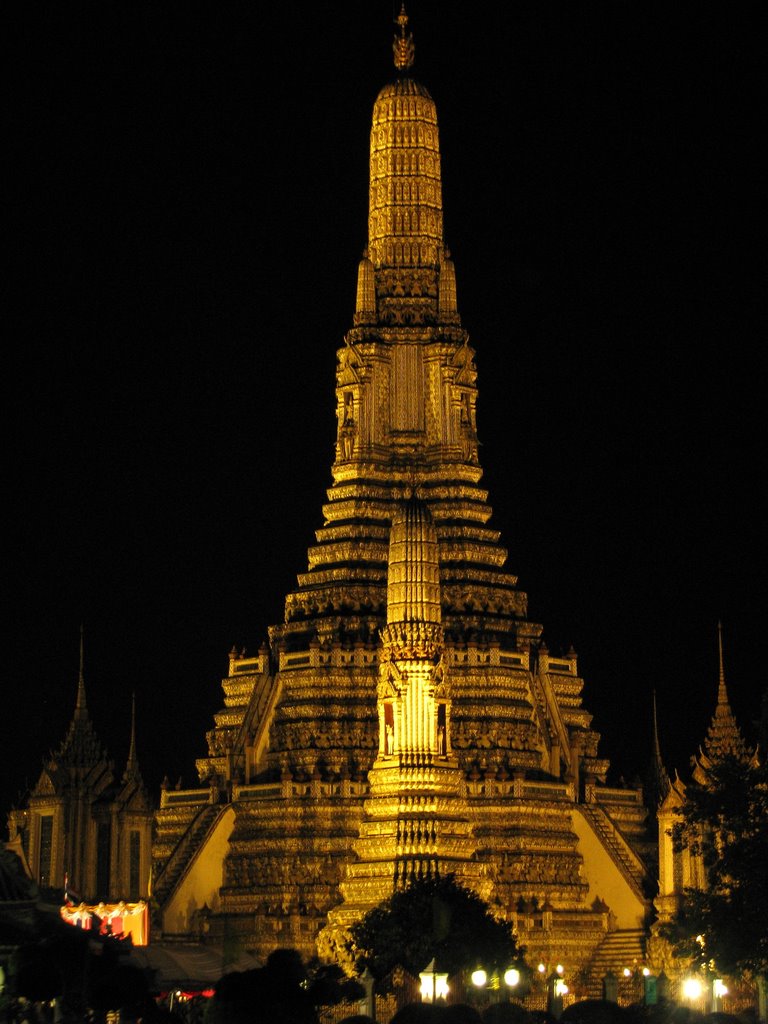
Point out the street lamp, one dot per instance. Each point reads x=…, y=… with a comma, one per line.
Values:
x=692, y=989
x=434, y=984
x=480, y=978
x=512, y=977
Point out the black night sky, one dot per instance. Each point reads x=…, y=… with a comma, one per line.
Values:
x=188, y=203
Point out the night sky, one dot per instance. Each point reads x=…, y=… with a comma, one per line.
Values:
x=188, y=204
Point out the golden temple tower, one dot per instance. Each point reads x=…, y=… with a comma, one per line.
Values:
x=405, y=717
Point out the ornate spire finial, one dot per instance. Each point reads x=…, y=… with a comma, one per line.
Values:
x=722, y=693
x=132, y=764
x=403, y=47
x=658, y=783
x=656, y=744
x=80, y=705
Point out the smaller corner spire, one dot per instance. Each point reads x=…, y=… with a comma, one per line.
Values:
x=402, y=47
x=81, y=709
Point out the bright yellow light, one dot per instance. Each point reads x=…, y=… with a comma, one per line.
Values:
x=541, y=968
x=511, y=977
x=627, y=972
x=559, y=968
x=719, y=988
x=691, y=988
x=479, y=977
x=561, y=989
x=646, y=972
x=426, y=989
x=441, y=986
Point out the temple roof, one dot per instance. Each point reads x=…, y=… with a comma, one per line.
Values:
x=81, y=747
x=724, y=738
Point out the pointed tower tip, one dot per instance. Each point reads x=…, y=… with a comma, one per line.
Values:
x=81, y=708
x=132, y=764
x=658, y=782
x=722, y=693
x=402, y=47
x=724, y=736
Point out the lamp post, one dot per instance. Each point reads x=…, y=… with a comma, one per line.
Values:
x=434, y=984
x=719, y=989
x=368, y=1002
x=556, y=988
x=692, y=989
x=650, y=987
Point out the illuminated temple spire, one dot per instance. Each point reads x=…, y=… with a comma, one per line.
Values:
x=412, y=640
x=416, y=823
x=81, y=749
x=406, y=721
x=413, y=584
x=405, y=215
x=724, y=737
x=406, y=401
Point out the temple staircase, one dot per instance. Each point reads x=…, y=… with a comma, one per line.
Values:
x=619, y=951
x=191, y=842
x=622, y=854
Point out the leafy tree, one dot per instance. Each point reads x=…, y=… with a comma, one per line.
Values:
x=284, y=990
x=725, y=821
x=432, y=918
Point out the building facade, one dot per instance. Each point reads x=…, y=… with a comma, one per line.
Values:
x=82, y=827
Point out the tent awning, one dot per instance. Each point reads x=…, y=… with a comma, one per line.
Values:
x=189, y=967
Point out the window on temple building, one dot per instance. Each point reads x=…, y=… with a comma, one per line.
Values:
x=24, y=836
x=134, y=863
x=442, y=739
x=677, y=871
x=46, y=849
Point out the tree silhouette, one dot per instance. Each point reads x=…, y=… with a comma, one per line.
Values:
x=725, y=821
x=432, y=918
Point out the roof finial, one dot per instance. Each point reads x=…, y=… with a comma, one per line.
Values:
x=403, y=47
x=722, y=693
x=132, y=765
x=80, y=705
x=657, y=782
x=656, y=744
x=724, y=737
